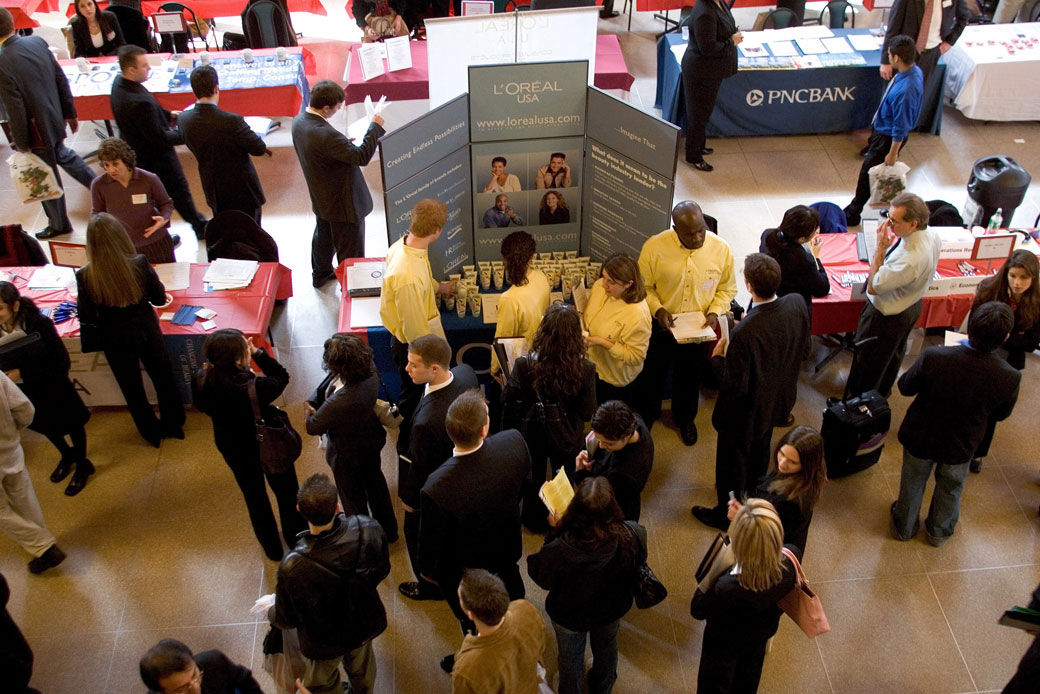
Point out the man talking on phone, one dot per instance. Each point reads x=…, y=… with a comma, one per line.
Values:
x=904, y=262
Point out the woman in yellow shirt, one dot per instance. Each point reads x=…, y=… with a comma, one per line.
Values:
x=618, y=320
x=521, y=307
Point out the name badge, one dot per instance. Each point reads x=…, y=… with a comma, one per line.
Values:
x=947, y=3
x=139, y=198
x=708, y=285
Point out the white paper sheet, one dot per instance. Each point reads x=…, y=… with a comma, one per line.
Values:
x=811, y=46
x=782, y=48
x=371, y=57
x=489, y=307
x=865, y=42
x=52, y=277
x=398, y=53
x=174, y=275
x=364, y=312
x=838, y=44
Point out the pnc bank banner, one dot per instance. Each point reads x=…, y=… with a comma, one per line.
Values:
x=527, y=101
x=789, y=102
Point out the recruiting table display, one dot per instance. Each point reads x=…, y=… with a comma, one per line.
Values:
x=456, y=43
x=429, y=158
x=532, y=147
x=629, y=176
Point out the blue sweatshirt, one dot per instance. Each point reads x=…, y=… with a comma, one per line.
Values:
x=901, y=106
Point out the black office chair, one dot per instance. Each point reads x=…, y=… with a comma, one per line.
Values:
x=178, y=43
x=780, y=18
x=136, y=29
x=796, y=6
x=266, y=25
x=234, y=234
x=835, y=10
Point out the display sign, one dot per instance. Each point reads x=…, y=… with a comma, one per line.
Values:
x=446, y=180
x=416, y=146
x=993, y=247
x=169, y=23
x=517, y=102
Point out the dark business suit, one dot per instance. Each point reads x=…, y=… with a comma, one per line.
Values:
x=470, y=509
x=355, y=441
x=758, y=384
x=710, y=57
x=129, y=337
x=145, y=125
x=38, y=101
x=800, y=272
x=905, y=18
x=224, y=676
x=339, y=195
x=428, y=447
x=222, y=142
x=84, y=45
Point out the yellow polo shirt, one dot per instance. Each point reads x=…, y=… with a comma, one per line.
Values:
x=520, y=310
x=627, y=326
x=408, y=301
x=682, y=280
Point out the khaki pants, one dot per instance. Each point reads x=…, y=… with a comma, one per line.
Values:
x=322, y=676
x=21, y=518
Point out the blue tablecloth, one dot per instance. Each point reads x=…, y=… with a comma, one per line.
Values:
x=782, y=102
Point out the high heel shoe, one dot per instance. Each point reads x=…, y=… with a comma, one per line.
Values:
x=62, y=470
x=84, y=469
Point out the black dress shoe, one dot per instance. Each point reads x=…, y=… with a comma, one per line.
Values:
x=319, y=282
x=608, y=15
x=710, y=517
x=448, y=663
x=51, y=558
x=176, y=239
x=62, y=470
x=700, y=165
x=852, y=219
x=975, y=465
x=688, y=433
x=707, y=150
x=416, y=590
x=49, y=233
x=863, y=152
x=84, y=469
x=177, y=433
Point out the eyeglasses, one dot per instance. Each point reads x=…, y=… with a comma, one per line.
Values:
x=195, y=680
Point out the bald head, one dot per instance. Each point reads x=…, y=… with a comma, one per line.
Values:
x=688, y=223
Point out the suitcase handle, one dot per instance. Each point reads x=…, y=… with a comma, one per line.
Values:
x=855, y=353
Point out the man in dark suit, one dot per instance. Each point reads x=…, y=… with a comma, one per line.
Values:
x=149, y=130
x=426, y=444
x=471, y=506
x=331, y=166
x=958, y=389
x=222, y=142
x=169, y=667
x=38, y=102
x=757, y=373
x=935, y=25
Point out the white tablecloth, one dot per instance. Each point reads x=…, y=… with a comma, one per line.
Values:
x=992, y=72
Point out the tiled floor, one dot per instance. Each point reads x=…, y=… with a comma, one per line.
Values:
x=159, y=543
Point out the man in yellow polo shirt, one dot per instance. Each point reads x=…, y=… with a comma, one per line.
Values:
x=685, y=268
x=408, y=301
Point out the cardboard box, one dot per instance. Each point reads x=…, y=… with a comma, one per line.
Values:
x=957, y=242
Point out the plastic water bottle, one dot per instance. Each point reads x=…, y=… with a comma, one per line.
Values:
x=995, y=221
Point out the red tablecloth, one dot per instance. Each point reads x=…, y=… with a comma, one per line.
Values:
x=204, y=9
x=662, y=5
x=21, y=10
x=838, y=313
x=247, y=309
x=414, y=83
x=272, y=102
x=343, y=325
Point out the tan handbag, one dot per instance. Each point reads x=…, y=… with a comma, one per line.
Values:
x=802, y=604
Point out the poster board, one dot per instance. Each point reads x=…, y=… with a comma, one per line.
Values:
x=456, y=43
x=629, y=180
x=419, y=144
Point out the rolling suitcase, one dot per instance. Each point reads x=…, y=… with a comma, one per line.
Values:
x=854, y=429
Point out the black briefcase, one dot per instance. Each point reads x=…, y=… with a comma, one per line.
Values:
x=854, y=430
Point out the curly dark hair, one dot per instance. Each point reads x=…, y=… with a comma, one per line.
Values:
x=114, y=149
x=560, y=350
x=347, y=357
x=26, y=307
x=594, y=517
x=517, y=250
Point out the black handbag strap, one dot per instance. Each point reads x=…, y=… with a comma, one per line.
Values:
x=386, y=391
x=251, y=388
x=639, y=545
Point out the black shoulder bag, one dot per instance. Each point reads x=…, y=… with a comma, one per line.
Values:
x=280, y=444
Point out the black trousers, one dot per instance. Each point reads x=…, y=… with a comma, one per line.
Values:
x=169, y=171
x=245, y=208
x=535, y=516
x=730, y=668
x=877, y=363
x=687, y=363
x=931, y=95
x=631, y=395
x=739, y=463
x=700, y=92
x=125, y=362
x=877, y=148
x=449, y=582
x=362, y=487
x=342, y=239
x=250, y=478
x=60, y=155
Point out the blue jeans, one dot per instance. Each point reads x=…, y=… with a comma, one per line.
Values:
x=603, y=673
x=946, y=498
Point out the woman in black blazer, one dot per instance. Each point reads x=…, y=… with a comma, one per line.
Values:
x=95, y=32
x=710, y=57
x=118, y=290
x=741, y=608
x=341, y=410
x=43, y=371
x=221, y=390
x=558, y=374
x=801, y=271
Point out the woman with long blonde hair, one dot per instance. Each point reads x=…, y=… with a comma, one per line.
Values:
x=117, y=291
x=740, y=607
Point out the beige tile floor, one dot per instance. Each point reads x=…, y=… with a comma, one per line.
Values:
x=159, y=543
